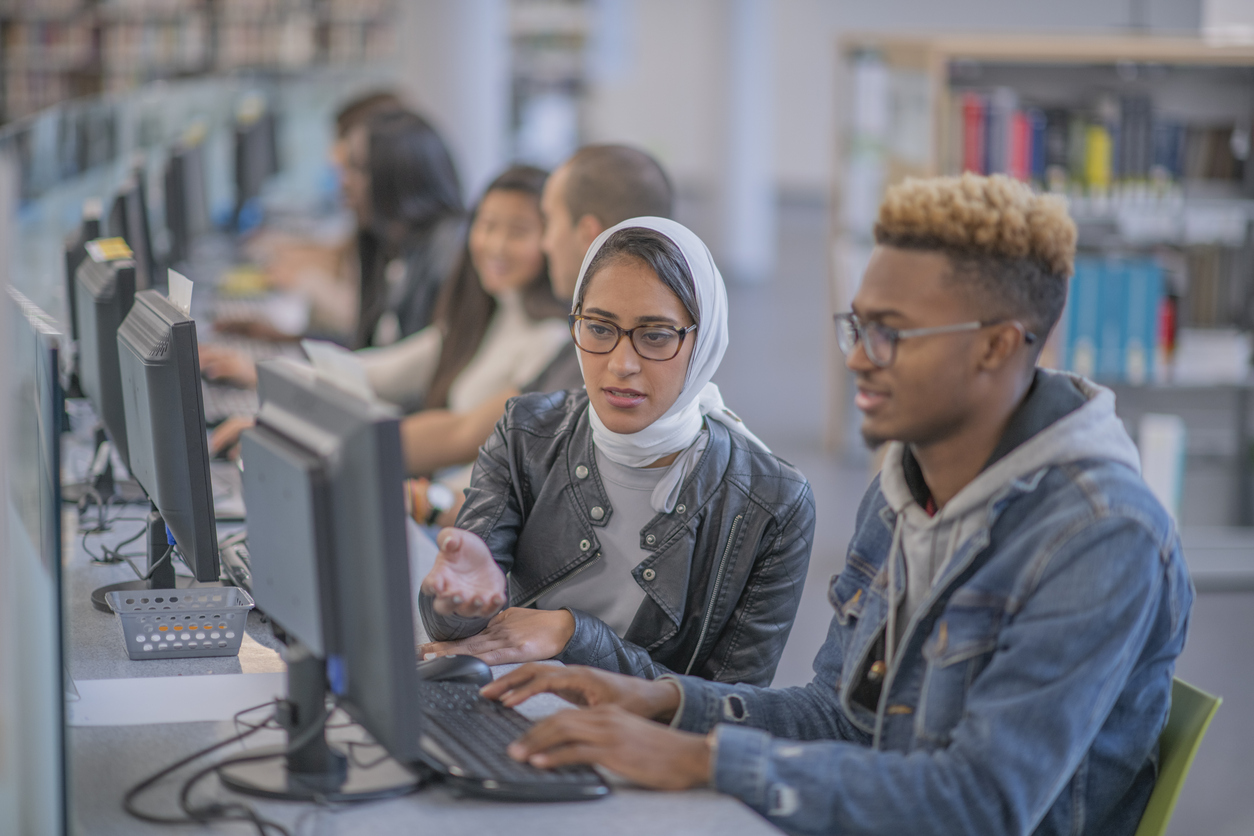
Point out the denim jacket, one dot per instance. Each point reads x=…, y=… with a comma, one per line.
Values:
x=1028, y=690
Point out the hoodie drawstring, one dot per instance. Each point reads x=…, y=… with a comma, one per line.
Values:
x=890, y=636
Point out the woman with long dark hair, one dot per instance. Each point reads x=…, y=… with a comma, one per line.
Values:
x=400, y=182
x=496, y=322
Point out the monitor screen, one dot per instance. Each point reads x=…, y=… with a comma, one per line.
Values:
x=317, y=445
x=186, y=202
x=128, y=219
x=256, y=155
x=32, y=707
x=75, y=252
x=167, y=441
x=104, y=292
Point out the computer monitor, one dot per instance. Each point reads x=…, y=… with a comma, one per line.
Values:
x=256, y=152
x=324, y=483
x=330, y=567
x=186, y=202
x=75, y=252
x=32, y=706
x=104, y=290
x=128, y=219
x=165, y=425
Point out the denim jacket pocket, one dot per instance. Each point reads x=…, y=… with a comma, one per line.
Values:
x=847, y=592
x=960, y=646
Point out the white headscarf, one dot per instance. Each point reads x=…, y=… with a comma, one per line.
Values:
x=680, y=426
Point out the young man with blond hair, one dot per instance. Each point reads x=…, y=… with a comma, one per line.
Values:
x=1013, y=599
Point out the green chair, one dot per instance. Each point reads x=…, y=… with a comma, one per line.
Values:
x=1191, y=712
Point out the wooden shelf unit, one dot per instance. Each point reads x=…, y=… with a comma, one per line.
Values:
x=928, y=64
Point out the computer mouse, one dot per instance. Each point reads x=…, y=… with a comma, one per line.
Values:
x=465, y=669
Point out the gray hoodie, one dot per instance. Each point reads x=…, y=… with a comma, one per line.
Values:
x=1064, y=418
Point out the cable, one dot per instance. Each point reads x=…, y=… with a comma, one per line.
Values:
x=152, y=570
x=353, y=745
x=216, y=811
x=128, y=800
x=113, y=554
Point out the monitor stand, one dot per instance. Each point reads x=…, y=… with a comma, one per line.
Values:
x=315, y=771
x=159, y=577
x=100, y=485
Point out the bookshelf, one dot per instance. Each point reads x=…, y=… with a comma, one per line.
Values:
x=55, y=50
x=1148, y=138
x=549, y=42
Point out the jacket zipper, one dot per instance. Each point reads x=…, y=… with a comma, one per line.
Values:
x=718, y=582
x=557, y=583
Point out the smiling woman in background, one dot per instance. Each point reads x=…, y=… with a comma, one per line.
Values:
x=640, y=521
x=496, y=324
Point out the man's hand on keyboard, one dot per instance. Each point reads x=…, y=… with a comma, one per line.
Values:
x=652, y=699
x=645, y=753
x=516, y=635
x=226, y=435
x=465, y=580
x=227, y=365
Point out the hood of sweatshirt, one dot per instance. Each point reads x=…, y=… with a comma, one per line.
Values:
x=1064, y=418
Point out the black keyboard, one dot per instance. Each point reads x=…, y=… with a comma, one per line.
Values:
x=471, y=734
x=222, y=402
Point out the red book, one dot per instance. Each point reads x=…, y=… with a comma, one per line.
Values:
x=1019, y=166
x=974, y=114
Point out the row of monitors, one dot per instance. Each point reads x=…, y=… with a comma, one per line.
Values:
x=138, y=363
x=323, y=485
x=100, y=296
x=326, y=529
x=186, y=202
x=324, y=481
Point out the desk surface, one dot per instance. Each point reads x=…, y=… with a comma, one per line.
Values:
x=106, y=760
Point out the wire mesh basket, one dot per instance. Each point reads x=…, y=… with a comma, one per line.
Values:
x=182, y=623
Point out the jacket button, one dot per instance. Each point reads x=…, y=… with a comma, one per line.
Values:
x=648, y=574
x=581, y=472
x=597, y=512
x=650, y=539
x=584, y=545
x=679, y=509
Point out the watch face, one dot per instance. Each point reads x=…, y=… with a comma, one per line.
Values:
x=440, y=496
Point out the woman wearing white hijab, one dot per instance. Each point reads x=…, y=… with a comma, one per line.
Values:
x=636, y=525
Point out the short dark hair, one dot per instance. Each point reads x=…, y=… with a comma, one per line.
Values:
x=655, y=250
x=615, y=182
x=1011, y=248
x=362, y=108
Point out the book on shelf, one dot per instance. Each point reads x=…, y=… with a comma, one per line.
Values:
x=1110, y=328
x=1111, y=141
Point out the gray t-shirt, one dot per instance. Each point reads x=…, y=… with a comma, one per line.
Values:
x=605, y=588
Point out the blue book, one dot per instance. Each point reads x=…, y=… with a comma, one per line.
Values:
x=1036, y=128
x=1083, y=302
x=1144, y=296
x=1111, y=319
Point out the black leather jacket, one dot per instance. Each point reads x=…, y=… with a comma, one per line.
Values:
x=727, y=565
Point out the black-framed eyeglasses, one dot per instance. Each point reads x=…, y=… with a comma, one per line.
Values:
x=652, y=342
x=880, y=342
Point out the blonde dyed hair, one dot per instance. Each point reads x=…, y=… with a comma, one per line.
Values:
x=976, y=216
x=1015, y=246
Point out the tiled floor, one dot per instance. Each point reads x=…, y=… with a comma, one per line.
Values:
x=773, y=376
